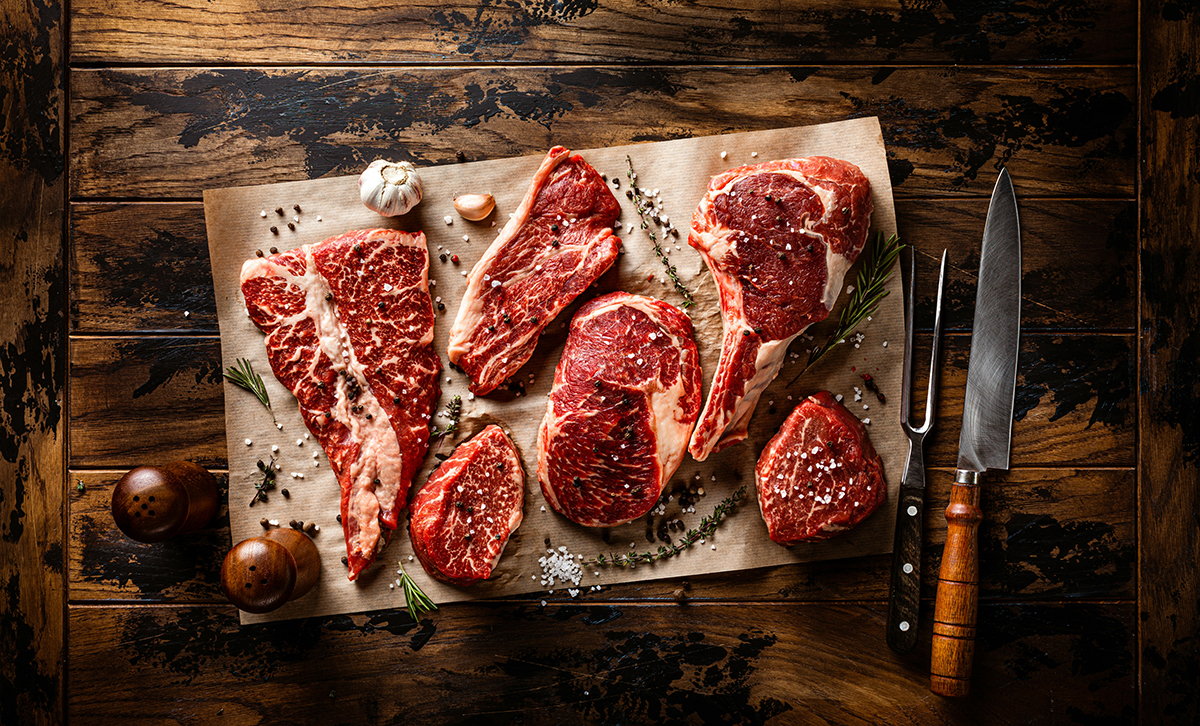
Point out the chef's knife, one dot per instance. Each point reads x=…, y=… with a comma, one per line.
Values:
x=985, y=440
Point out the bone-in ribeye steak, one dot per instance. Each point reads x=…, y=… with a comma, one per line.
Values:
x=626, y=394
x=778, y=238
x=463, y=516
x=820, y=475
x=557, y=243
x=349, y=326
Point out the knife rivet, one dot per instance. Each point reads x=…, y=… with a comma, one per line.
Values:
x=912, y=511
x=904, y=626
x=907, y=568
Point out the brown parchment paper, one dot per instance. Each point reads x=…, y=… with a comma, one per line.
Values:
x=680, y=170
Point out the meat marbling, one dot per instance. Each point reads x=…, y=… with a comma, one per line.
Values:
x=626, y=394
x=557, y=243
x=462, y=518
x=819, y=475
x=349, y=326
x=778, y=238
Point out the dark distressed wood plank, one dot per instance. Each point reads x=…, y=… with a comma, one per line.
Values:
x=102, y=563
x=623, y=663
x=133, y=398
x=155, y=133
x=144, y=268
x=1047, y=534
x=169, y=33
x=32, y=362
x=1170, y=358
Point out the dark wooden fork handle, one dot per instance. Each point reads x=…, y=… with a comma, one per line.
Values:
x=904, y=599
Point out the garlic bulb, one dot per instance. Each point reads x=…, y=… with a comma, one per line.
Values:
x=474, y=207
x=390, y=188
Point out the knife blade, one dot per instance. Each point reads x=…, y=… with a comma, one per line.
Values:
x=985, y=441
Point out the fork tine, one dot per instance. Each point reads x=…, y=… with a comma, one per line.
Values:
x=906, y=385
x=937, y=345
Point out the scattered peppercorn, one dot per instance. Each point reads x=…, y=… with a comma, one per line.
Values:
x=265, y=522
x=339, y=519
x=442, y=257
x=279, y=211
x=329, y=296
x=454, y=259
x=554, y=243
x=292, y=226
x=441, y=306
x=274, y=229
x=274, y=250
x=296, y=207
x=344, y=562
x=258, y=253
x=286, y=494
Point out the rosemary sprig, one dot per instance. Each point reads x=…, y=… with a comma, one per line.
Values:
x=267, y=484
x=416, y=600
x=864, y=301
x=453, y=410
x=243, y=375
x=708, y=526
x=642, y=207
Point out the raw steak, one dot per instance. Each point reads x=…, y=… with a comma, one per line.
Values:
x=778, y=238
x=559, y=241
x=463, y=516
x=349, y=327
x=820, y=475
x=625, y=397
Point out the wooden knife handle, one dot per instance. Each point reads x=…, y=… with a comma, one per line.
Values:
x=954, y=611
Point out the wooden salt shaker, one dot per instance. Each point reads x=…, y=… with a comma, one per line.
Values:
x=261, y=573
x=154, y=503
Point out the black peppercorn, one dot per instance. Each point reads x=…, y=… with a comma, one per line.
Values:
x=258, y=253
x=279, y=210
x=274, y=229
x=296, y=207
x=291, y=226
x=441, y=306
x=285, y=493
x=274, y=250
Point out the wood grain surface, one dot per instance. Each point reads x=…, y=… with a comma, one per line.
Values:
x=602, y=663
x=1169, y=398
x=32, y=363
x=536, y=31
x=1089, y=581
x=173, y=132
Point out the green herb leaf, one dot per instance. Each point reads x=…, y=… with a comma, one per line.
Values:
x=642, y=207
x=417, y=601
x=453, y=410
x=243, y=375
x=708, y=526
x=864, y=301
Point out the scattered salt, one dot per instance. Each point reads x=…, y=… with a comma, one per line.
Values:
x=448, y=219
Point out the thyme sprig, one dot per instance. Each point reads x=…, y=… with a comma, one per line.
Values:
x=417, y=601
x=453, y=410
x=243, y=375
x=864, y=301
x=708, y=525
x=267, y=483
x=643, y=207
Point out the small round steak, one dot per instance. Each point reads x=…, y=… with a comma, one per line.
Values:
x=463, y=516
x=819, y=475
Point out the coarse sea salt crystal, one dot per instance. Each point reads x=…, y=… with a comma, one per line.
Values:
x=248, y=442
x=448, y=219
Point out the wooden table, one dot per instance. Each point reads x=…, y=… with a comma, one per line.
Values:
x=119, y=112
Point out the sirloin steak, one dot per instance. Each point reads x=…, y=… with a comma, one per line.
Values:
x=349, y=326
x=778, y=238
x=557, y=243
x=463, y=516
x=819, y=475
x=625, y=397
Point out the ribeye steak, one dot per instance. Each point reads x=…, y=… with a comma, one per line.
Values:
x=557, y=243
x=349, y=327
x=820, y=475
x=778, y=238
x=463, y=516
x=626, y=394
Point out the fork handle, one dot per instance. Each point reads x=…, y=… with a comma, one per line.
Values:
x=904, y=599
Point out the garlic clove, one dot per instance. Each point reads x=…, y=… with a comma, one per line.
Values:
x=474, y=207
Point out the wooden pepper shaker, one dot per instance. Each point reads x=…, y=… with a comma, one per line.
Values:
x=261, y=573
x=154, y=503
